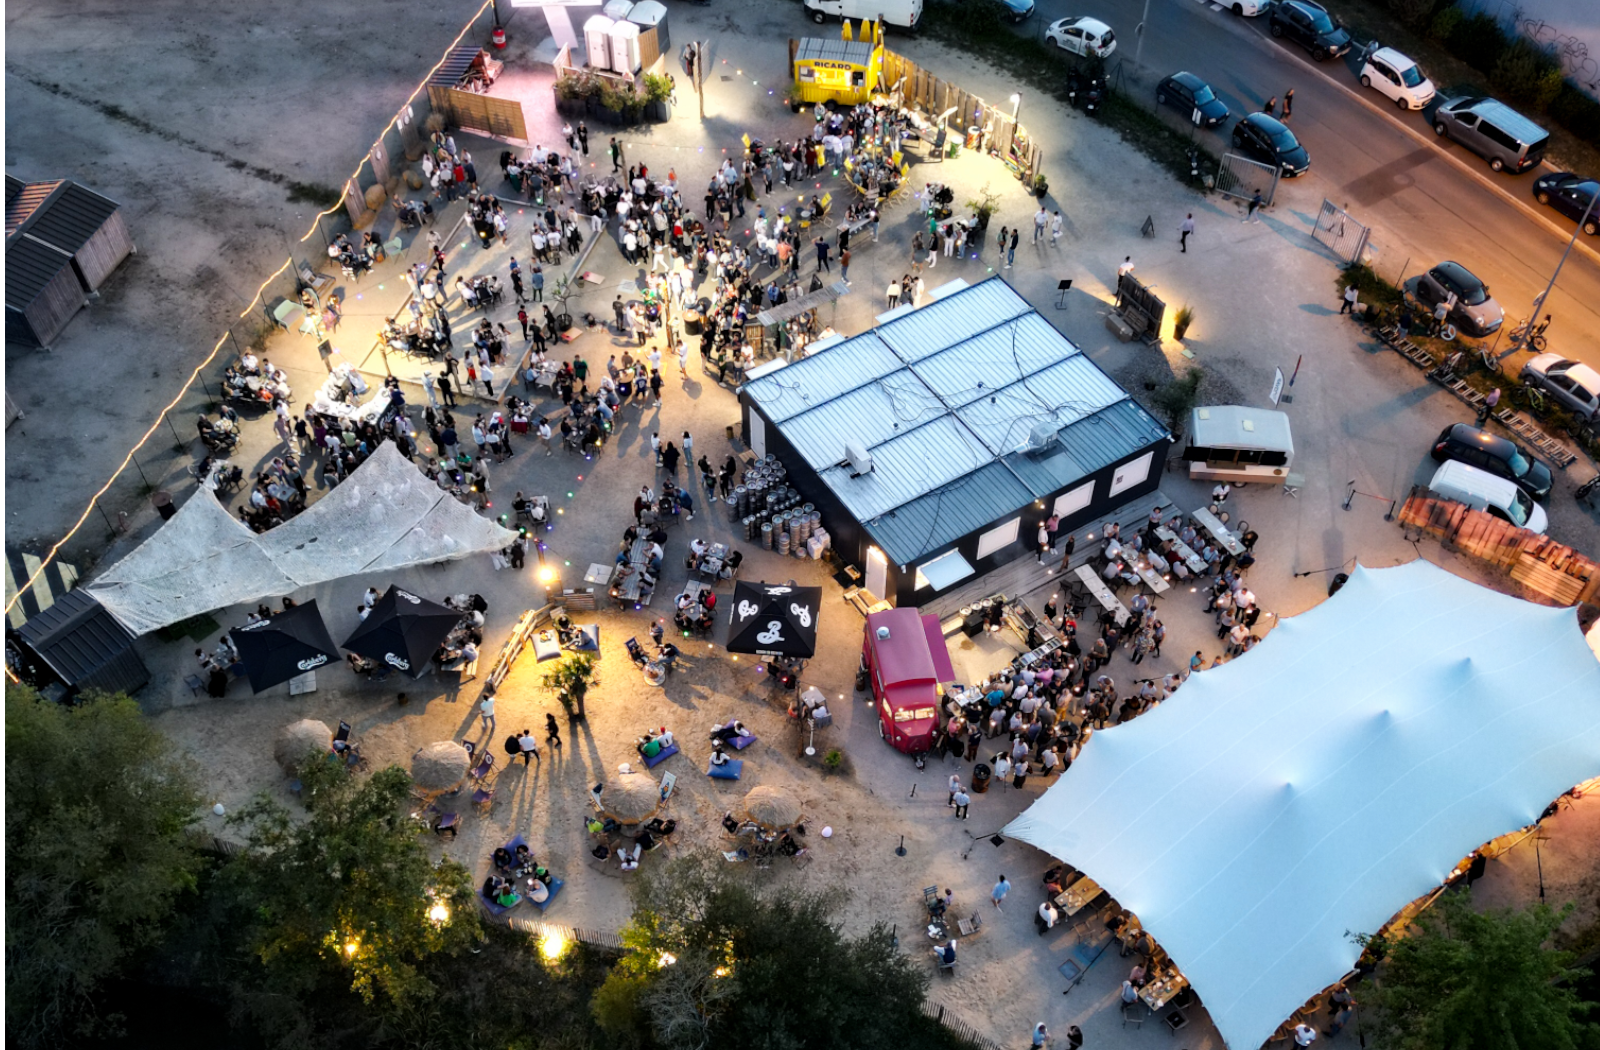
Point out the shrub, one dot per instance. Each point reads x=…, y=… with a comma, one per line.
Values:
x=1525, y=73
x=833, y=760
x=1177, y=398
x=579, y=85
x=1445, y=24
x=657, y=88
x=1414, y=13
x=1374, y=290
x=1478, y=41
x=1577, y=112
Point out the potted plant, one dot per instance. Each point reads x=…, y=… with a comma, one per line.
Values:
x=561, y=291
x=985, y=204
x=571, y=679
x=657, y=90
x=572, y=94
x=1040, y=186
x=1182, y=320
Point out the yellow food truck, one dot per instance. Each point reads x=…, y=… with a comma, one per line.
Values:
x=842, y=71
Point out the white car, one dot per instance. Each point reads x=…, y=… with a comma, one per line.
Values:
x=1082, y=36
x=1396, y=77
x=1250, y=8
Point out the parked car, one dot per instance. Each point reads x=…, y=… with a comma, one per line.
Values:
x=1491, y=129
x=1465, y=443
x=1018, y=10
x=1309, y=25
x=1576, y=386
x=1246, y=7
x=1570, y=195
x=1270, y=142
x=1474, y=312
x=1089, y=37
x=1186, y=93
x=1397, y=78
x=1483, y=491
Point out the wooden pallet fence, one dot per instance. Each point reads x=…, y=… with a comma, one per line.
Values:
x=1547, y=570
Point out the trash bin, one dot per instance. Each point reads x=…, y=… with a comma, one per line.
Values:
x=973, y=132
x=1338, y=581
x=161, y=499
x=980, y=777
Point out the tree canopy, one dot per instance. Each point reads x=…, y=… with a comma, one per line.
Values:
x=97, y=856
x=717, y=962
x=1469, y=980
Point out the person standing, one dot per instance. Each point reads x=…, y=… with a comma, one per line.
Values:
x=445, y=391
x=583, y=137
x=486, y=712
x=616, y=155
x=1066, y=552
x=1074, y=1034
x=823, y=248
x=1011, y=252
x=552, y=731
x=999, y=892
x=1044, y=540
x=1351, y=294
x=1250, y=210
x=1288, y=103
x=1126, y=267
x=1185, y=228
x=1041, y=1037
x=844, y=265
x=528, y=748
x=1040, y=219
x=1055, y=227
x=1486, y=409
x=955, y=786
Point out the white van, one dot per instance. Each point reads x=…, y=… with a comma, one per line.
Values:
x=902, y=13
x=1481, y=490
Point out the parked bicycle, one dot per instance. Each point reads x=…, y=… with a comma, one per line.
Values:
x=1530, y=335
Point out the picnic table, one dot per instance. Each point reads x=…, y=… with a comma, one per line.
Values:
x=625, y=588
x=1153, y=579
x=711, y=562
x=1196, y=563
x=1225, y=539
x=1161, y=991
x=1076, y=897
x=1102, y=593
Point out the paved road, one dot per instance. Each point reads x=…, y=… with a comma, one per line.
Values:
x=1426, y=200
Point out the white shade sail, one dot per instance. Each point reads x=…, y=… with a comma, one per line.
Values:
x=385, y=516
x=1316, y=785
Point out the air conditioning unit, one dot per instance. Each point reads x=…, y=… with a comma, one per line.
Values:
x=1042, y=436
x=860, y=459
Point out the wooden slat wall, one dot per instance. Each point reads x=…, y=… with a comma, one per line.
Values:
x=58, y=302
x=468, y=109
x=104, y=251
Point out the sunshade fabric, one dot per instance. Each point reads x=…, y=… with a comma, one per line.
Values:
x=1327, y=778
x=403, y=630
x=284, y=645
x=385, y=516
x=774, y=618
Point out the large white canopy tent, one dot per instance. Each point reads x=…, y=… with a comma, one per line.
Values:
x=385, y=516
x=1321, y=782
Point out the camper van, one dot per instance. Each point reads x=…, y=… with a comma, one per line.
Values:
x=1237, y=444
x=904, y=14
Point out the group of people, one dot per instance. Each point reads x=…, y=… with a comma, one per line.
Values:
x=511, y=865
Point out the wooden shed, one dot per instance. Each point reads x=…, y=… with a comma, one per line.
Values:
x=62, y=240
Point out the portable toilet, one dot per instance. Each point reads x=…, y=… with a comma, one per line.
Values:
x=651, y=18
x=597, y=41
x=617, y=10
x=625, y=47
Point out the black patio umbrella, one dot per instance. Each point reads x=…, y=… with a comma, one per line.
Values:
x=403, y=631
x=774, y=619
x=284, y=645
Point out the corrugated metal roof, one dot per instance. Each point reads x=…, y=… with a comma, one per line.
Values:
x=947, y=514
x=24, y=205
x=14, y=186
x=942, y=399
x=822, y=376
x=856, y=52
x=455, y=65
x=72, y=216
x=77, y=637
x=30, y=266
x=954, y=319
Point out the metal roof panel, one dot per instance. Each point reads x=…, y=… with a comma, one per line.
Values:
x=821, y=377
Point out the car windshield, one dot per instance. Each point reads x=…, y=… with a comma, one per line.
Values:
x=1411, y=76
x=1283, y=140
x=1321, y=22
x=1519, y=464
x=1203, y=94
x=1474, y=294
x=1520, y=507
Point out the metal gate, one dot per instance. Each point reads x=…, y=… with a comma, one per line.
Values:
x=1339, y=231
x=1243, y=178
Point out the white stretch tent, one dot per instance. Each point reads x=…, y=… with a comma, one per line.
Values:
x=385, y=516
x=1324, y=780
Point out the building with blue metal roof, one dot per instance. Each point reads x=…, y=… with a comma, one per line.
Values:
x=936, y=443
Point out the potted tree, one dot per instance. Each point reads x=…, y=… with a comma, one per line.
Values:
x=572, y=94
x=571, y=679
x=561, y=291
x=985, y=204
x=657, y=90
x=1181, y=321
x=1040, y=186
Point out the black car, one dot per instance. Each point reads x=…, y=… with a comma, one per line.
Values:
x=1271, y=143
x=1187, y=93
x=1309, y=25
x=1465, y=443
x=1571, y=195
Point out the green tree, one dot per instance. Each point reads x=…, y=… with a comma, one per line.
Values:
x=349, y=895
x=97, y=806
x=1469, y=980
x=717, y=962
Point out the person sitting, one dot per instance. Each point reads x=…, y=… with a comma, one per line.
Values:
x=592, y=825
x=661, y=826
x=650, y=746
x=732, y=729
x=523, y=858
x=946, y=953
x=719, y=757
x=645, y=840
x=1048, y=916
x=601, y=851
x=508, y=897
x=538, y=892
x=730, y=565
x=502, y=858
x=360, y=664
x=630, y=862
x=729, y=824
x=789, y=847
x=1136, y=976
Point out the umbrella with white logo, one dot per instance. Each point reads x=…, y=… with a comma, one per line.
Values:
x=402, y=631
x=774, y=619
x=284, y=646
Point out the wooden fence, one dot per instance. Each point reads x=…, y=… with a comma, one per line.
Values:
x=1002, y=135
x=1546, y=570
x=468, y=109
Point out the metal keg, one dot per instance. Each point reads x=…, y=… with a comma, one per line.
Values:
x=783, y=542
x=766, y=535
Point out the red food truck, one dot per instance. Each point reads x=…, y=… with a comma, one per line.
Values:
x=907, y=663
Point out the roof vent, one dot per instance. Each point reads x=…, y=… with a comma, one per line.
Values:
x=1042, y=436
x=860, y=459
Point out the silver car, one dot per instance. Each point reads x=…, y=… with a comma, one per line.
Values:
x=1575, y=385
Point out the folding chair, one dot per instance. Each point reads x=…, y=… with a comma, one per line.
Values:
x=483, y=797
x=195, y=683
x=1175, y=1020
x=484, y=765
x=1133, y=1013
x=930, y=894
x=343, y=735
x=448, y=822
x=668, y=782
